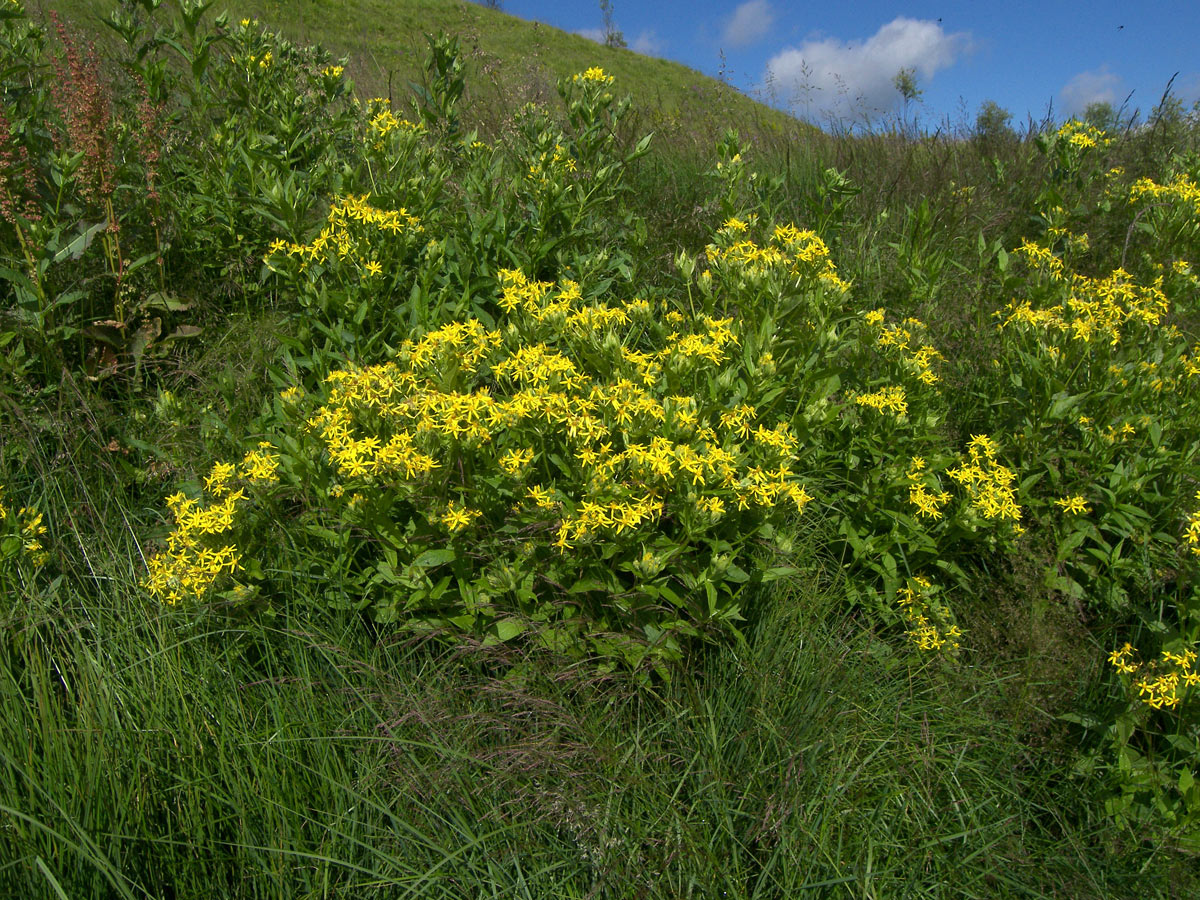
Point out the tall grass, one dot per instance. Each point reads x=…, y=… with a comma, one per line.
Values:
x=149, y=752
x=198, y=758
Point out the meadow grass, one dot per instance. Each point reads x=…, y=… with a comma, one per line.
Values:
x=186, y=752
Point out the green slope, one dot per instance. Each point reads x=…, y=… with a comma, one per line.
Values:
x=511, y=60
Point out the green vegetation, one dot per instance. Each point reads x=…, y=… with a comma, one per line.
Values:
x=415, y=492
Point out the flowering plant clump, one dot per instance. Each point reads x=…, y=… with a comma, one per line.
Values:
x=1076, y=150
x=930, y=622
x=1082, y=136
x=21, y=533
x=906, y=341
x=352, y=236
x=600, y=484
x=200, y=550
x=792, y=256
x=988, y=484
x=1168, y=213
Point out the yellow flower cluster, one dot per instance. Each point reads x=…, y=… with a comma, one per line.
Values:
x=456, y=518
x=903, y=338
x=193, y=560
x=196, y=555
x=634, y=456
x=1162, y=684
x=1122, y=659
x=1114, y=433
x=514, y=462
x=347, y=234
x=1191, y=531
x=593, y=75
x=1180, y=190
x=1082, y=135
x=930, y=622
x=791, y=253
x=551, y=166
x=260, y=466
x=1042, y=259
x=989, y=485
x=615, y=517
x=565, y=311
x=927, y=504
x=1097, y=308
x=888, y=399
x=27, y=523
x=384, y=122
x=251, y=60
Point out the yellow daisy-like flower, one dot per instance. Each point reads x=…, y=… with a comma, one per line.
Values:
x=456, y=518
x=1073, y=506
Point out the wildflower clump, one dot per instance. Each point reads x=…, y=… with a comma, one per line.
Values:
x=1179, y=192
x=593, y=75
x=792, y=256
x=1073, y=506
x=1163, y=683
x=1191, y=531
x=200, y=549
x=21, y=533
x=1110, y=310
x=353, y=233
x=926, y=503
x=990, y=486
x=906, y=341
x=525, y=474
x=930, y=624
x=1082, y=136
x=890, y=399
x=382, y=122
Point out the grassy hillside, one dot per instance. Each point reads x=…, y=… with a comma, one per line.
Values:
x=511, y=61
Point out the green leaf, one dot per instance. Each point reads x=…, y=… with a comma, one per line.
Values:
x=79, y=245
x=507, y=629
x=432, y=558
x=167, y=302
x=182, y=333
x=736, y=574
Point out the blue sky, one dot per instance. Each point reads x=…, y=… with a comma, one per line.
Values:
x=839, y=59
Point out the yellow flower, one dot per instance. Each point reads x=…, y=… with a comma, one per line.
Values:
x=218, y=479
x=594, y=75
x=456, y=518
x=1073, y=506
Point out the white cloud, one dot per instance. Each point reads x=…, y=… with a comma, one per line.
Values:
x=749, y=24
x=1097, y=86
x=831, y=77
x=592, y=34
x=648, y=43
